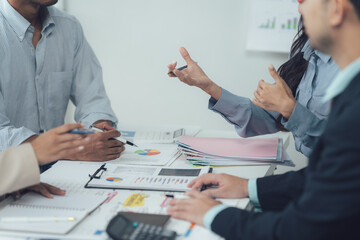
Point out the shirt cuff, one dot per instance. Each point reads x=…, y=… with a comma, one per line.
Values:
x=299, y=120
x=211, y=214
x=93, y=117
x=252, y=188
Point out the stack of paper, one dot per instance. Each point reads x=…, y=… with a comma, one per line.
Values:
x=231, y=151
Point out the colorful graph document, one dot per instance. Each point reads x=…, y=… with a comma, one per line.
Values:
x=231, y=151
x=148, y=154
x=114, y=176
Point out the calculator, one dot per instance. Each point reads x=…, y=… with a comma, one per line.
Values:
x=153, y=136
x=121, y=228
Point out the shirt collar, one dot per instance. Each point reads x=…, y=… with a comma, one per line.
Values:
x=308, y=51
x=18, y=23
x=342, y=80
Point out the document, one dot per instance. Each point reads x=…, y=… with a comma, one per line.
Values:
x=148, y=154
x=35, y=213
x=114, y=176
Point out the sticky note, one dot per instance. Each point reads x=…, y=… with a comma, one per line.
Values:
x=135, y=200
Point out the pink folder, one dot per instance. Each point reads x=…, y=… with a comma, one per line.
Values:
x=234, y=147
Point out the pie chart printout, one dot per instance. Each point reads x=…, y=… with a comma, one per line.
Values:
x=147, y=152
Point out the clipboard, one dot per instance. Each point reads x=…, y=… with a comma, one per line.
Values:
x=149, y=178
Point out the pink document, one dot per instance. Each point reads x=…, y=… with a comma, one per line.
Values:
x=234, y=147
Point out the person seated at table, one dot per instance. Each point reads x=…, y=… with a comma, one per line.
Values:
x=292, y=104
x=19, y=166
x=322, y=200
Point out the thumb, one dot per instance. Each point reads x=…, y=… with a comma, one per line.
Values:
x=184, y=53
x=275, y=75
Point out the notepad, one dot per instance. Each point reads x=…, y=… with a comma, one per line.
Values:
x=34, y=206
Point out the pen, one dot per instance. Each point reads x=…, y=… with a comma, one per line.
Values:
x=180, y=68
x=190, y=229
x=118, y=138
x=36, y=219
x=81, y=132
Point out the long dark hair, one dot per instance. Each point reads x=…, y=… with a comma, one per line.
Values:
x=294, y=69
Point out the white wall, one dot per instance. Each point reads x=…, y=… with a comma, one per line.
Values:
x=136, y=39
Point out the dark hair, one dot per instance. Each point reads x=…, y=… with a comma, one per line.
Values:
x=356, y=4
x=294, y=69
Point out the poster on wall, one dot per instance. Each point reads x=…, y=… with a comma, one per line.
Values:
x=273, y=25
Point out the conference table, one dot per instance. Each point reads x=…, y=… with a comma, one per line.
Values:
x=71, y=176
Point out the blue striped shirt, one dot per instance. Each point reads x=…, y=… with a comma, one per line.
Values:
x=37, y=84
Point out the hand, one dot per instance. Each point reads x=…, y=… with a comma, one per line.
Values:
x=58, y=143
x=275, y=98
x=193, y=75
x=228, y=186
x=43, y=188
x=102, y=147
x=192, y=210
x=104, y=124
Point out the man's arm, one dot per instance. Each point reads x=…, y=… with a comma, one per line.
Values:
x=9, y=134
x=88, y=92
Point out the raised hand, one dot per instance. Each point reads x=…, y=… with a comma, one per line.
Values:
x=275, y=98
x=193, y=75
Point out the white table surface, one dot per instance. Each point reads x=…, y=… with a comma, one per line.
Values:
x=73, y=175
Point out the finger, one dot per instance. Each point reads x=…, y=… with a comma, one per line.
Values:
x=255, y=102
x=212, y=192
x=110, y=134
x=112, y=157
x=194, y=194
x=68, y=127
x=184, y=53
x=70, y=137
x=274, y=74
x=54, y=190
x=115, y=150
x=114, y=143
x=259, y=99
x=42, y=190
x=206, y=179
x=107, y=127
x=74, y=144
x=261, y=84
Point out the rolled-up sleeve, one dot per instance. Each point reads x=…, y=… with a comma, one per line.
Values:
x=11, y=135
x=88, y=92
x=249, y=120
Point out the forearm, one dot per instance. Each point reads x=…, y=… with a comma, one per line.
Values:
x=11, y=136
x=248, y=119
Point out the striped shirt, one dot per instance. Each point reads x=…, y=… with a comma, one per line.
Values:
x=36, y=84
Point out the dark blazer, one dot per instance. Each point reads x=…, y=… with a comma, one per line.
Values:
x=320, y=202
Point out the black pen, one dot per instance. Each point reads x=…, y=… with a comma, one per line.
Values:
x=180, y=68
x=118, y=138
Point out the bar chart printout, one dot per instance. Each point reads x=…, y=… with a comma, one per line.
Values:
x=273, y=25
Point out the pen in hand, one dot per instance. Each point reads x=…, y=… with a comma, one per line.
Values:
x=180, y=68
x=118, y=138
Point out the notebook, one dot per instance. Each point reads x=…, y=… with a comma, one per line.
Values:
x=29, y=214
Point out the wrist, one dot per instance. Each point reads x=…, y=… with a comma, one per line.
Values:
x=213, y=90
x=246, y=188
x=288, y=108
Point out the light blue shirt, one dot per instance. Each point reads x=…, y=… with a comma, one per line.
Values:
x=342, y=80
x=308, y=119
x=340, y=83
x=211, y=214
x=37, y=84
